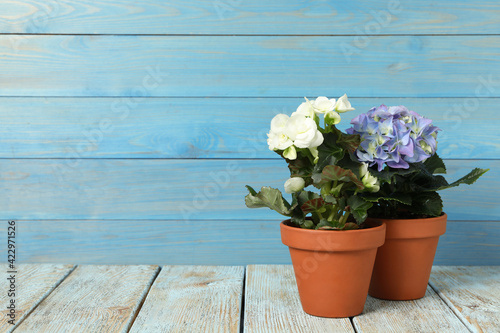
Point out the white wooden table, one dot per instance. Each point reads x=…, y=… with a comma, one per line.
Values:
x=258, y=298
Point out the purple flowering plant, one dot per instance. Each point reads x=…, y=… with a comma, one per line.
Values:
x=394, y=136
x=400, y=147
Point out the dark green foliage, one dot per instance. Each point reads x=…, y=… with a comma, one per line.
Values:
x=412, y=193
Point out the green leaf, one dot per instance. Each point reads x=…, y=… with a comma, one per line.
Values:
x=435, y=164
x=302, y=167
x=349, y=142
x=330, y=199
x=298, y=219
x=251, y=190
x=468, y=179
x=425, y=182
x=328, y=153
x=387, y=174
x=314, y=205
x=351, y=226
x=304, y=196
x=427, y=203
x=308, y=224
x=298, y=216
x=334, y=172
x=268, y=197
x=324, y=224
x=404, y=198
x=329, y=147
x=341, y=203
x=336, y=225
x=359, y=207
x=419, y=182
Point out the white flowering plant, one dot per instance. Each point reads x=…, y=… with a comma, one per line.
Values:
x=318, y=154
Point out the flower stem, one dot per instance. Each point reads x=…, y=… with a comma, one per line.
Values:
x=344, y=218
x=332, y=215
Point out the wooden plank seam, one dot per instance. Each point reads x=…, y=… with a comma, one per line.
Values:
x=242, y=302
x=143, y=296
x=453, y=308
x=41, y=299
x=238, y=17
x=424, y=66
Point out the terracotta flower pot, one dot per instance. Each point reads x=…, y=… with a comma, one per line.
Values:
x=403, y=264
x=333, y=268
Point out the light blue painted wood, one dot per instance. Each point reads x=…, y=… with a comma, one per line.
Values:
x=209, y=127
x=251, y=17
x=469, y=243
x=391, y=66
x=191, y=210
x=184, y=189
x=210, y=242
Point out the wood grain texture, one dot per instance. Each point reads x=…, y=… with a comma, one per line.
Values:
x=249, y=17
x=204, y=242
x=212, y=242
x=272, y=304
x=33, y=283
x=208, y=127
x=193, y=299
x=473, y=292
x=469, y=243
x=184, y=189
x=428, y=314
x=251, y=66
x=93, y=299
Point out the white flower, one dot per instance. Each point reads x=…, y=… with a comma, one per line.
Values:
x=303, y=131
x=314, y=153
x=305, y=109
x=323, y=105
x=294, y=184
x=332, y=118
x=278, y=141
x=278, y=123
x=343, y=104
x=363, y=169
x=370, y=182
x=290, y=153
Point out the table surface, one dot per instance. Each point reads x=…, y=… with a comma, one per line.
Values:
x=257, y=298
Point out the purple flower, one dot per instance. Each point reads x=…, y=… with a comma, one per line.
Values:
x=394, y=136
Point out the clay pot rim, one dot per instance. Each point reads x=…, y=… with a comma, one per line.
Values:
x=333, y=240
x=414, y=228
x=443, y=215
x=379, y=223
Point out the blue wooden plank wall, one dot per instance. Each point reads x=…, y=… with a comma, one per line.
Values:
x=128, y=129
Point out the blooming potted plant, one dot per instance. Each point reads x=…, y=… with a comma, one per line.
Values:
x=400, y=147
x=332, y=247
